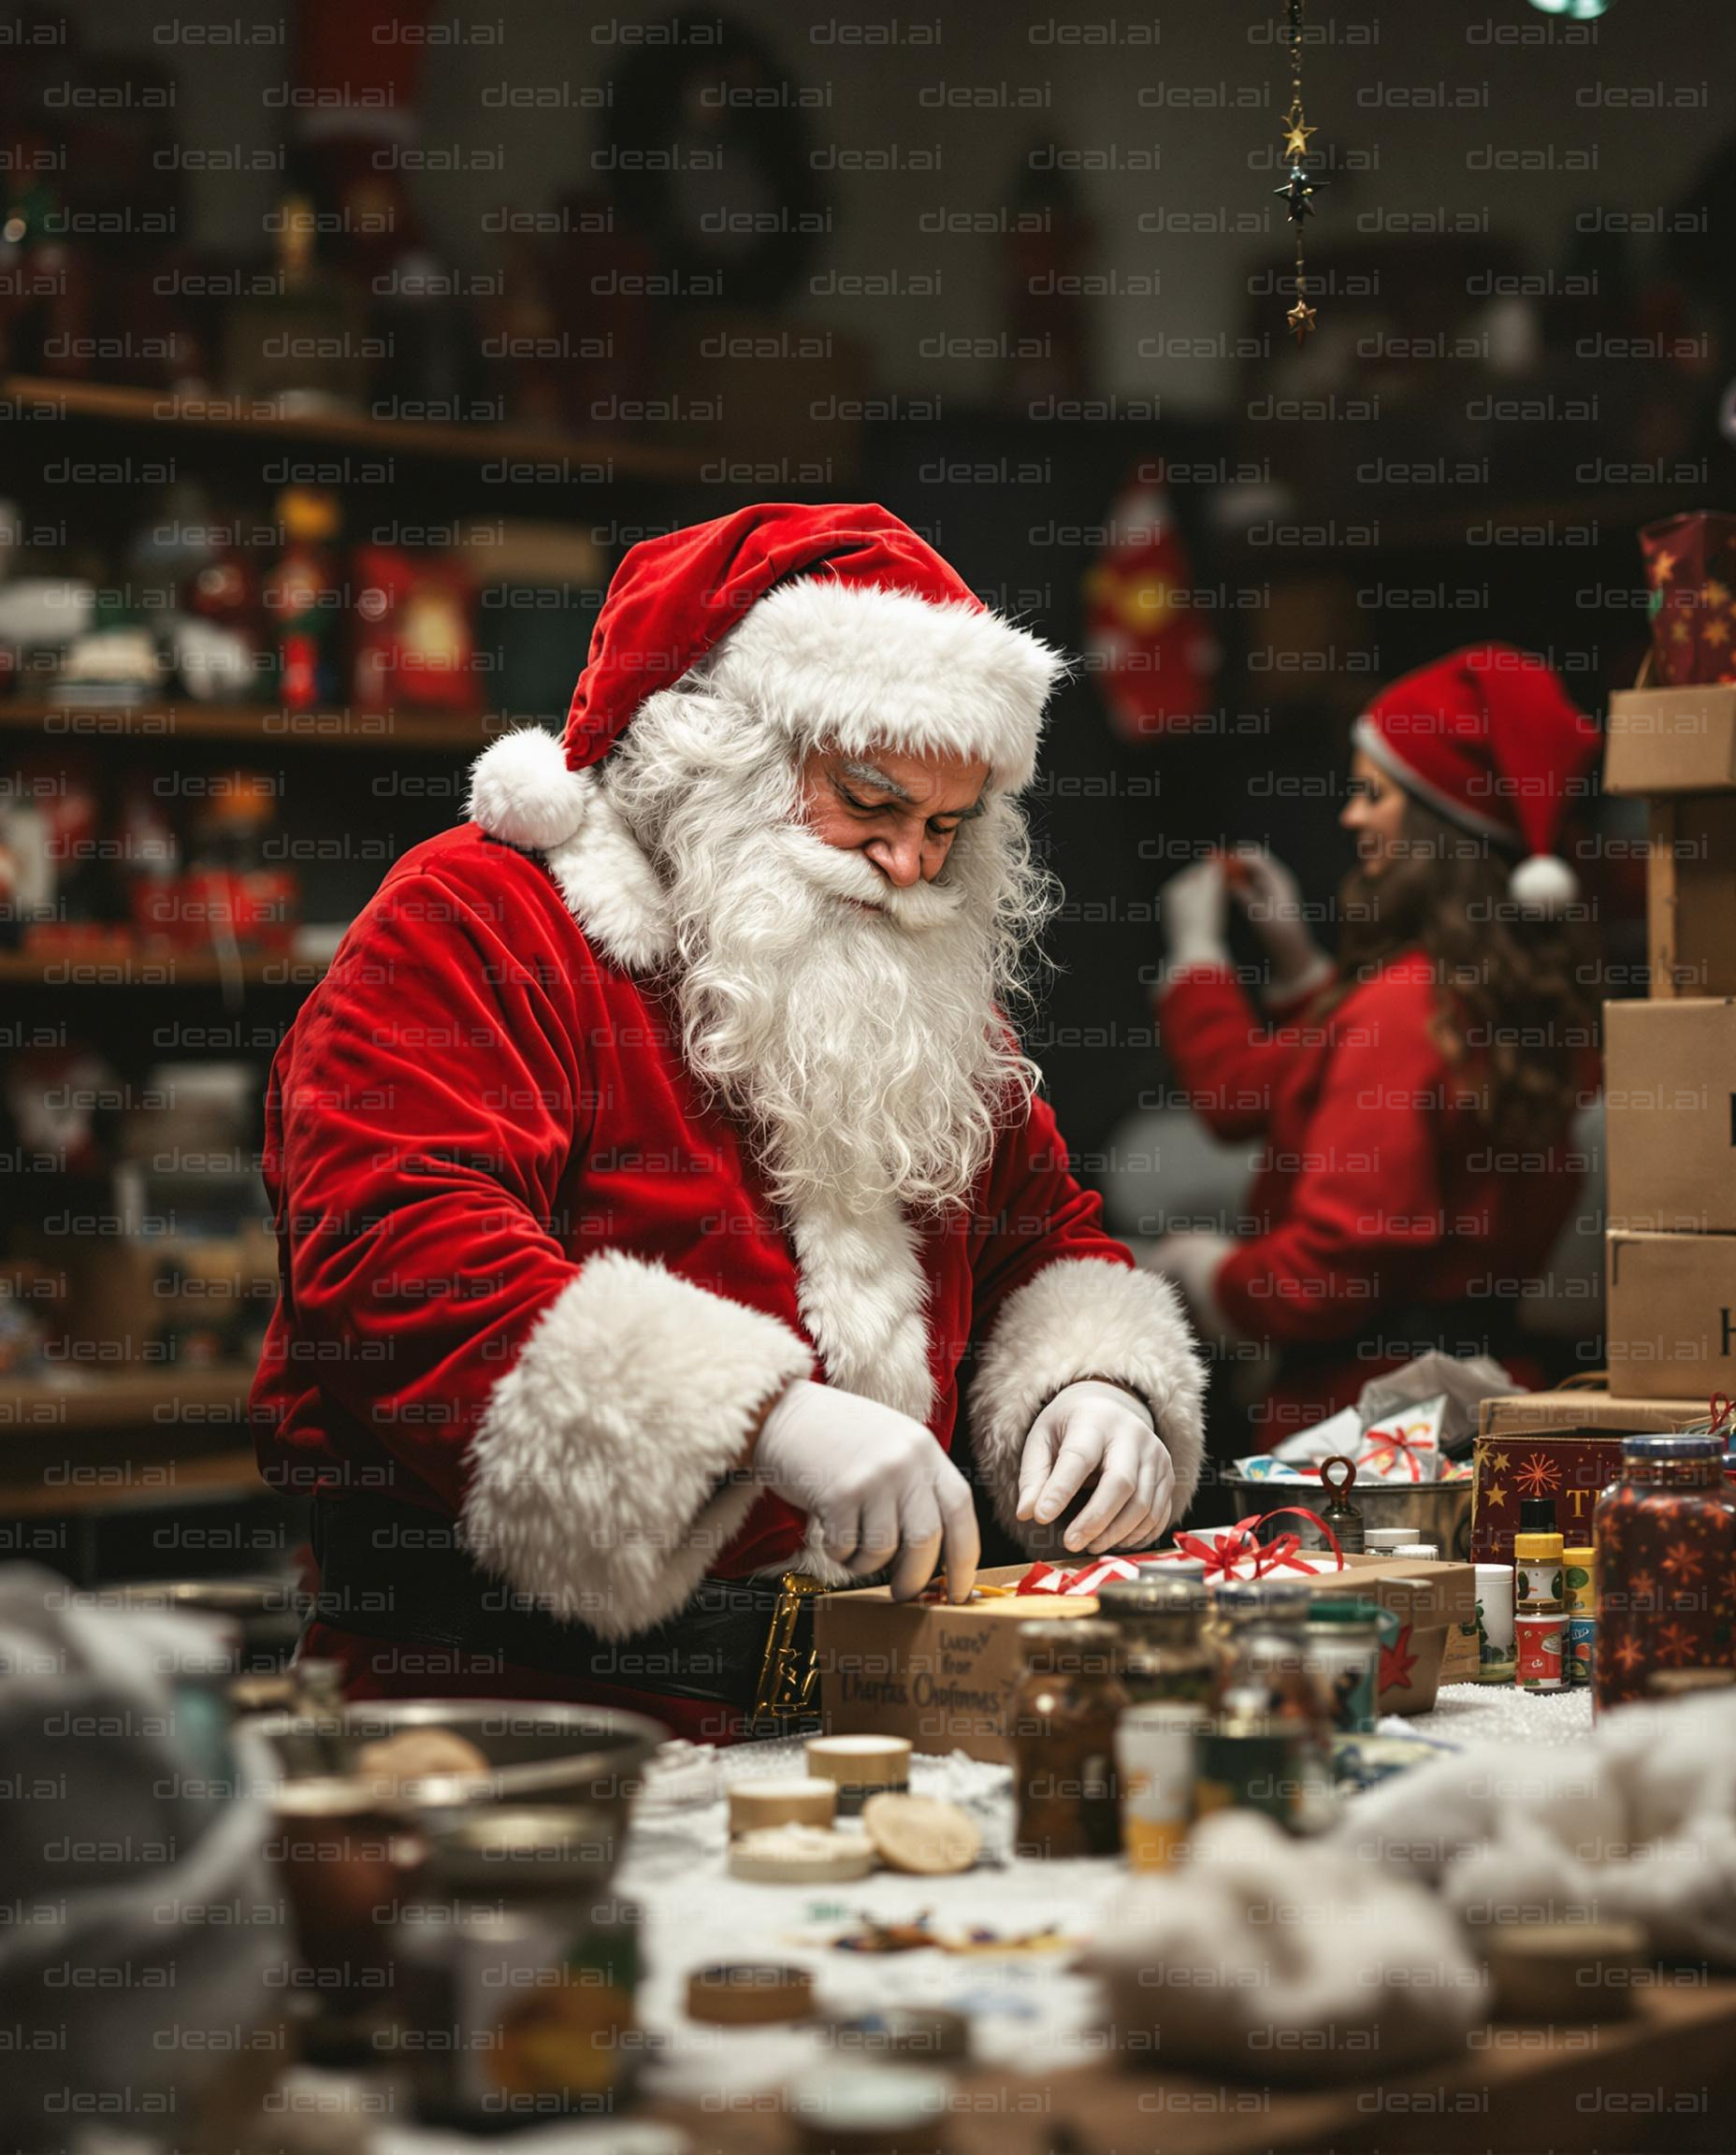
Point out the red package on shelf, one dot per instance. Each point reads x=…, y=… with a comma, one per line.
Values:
x=1690, y=566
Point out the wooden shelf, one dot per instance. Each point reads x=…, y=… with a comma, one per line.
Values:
x=141, y=969
x=147, y=1398
x=258, y=725
x=32, y=398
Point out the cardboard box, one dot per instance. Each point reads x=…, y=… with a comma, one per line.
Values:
x=1572, y=1470
x=1670, y=1100
x=1690, y=895
x=1671, y=1314
x=1583, y=1411
x=1670, y=740
x=945, y=1677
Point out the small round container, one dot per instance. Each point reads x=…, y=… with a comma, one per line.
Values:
x=1495, y=1623
x=1157, y=1754
x=757, y=1804
x=1249, y=1764
x=1580, y=1651
x=902, y=2031
x=1383, y=1541
x=1579, y=1580
x=895, y=2107
x=1344, y=1654
x=1418, y=1552
x=1536, y=1565
x=1540, y=1642
x=861, y=1766
x=1163, y=1653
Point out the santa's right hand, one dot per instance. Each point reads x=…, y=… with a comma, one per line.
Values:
x=878, y=1484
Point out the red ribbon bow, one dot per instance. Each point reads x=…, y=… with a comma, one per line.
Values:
x=1238, y=1546
x=1391, y=1445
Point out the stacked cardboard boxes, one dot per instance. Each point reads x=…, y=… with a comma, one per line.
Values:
x=1670, y=1060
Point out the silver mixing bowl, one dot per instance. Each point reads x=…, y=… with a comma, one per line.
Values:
x=539, y=1753
x=1440, y=1512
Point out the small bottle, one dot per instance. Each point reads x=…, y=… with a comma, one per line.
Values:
x=1339, y=1512
x=1494, y=1624
x=1537, y=1558
x=1580, y=1594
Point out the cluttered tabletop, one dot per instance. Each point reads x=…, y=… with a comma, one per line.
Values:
x=1400, y=1813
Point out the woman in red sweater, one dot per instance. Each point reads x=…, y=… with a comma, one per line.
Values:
x=1415, y=1095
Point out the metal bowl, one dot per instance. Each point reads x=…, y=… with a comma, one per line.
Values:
x=540, y=1753
x=1440, y=1512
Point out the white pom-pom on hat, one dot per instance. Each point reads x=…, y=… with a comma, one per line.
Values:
x=1543, y=884
x=522, y=792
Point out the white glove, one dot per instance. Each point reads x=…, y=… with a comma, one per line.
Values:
x=877, y=1482
x=1094, y=1429
x=1271, y=898
x=1195, y=912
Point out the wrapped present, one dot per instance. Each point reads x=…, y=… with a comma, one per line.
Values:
x=1049, y=1579
x=1690, y=566
x=1406, y=1447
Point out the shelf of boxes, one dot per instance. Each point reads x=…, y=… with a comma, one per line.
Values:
x=1669, y=1061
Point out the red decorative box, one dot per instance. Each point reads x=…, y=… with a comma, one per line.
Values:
x=1571, y=1470
x=1690, y=565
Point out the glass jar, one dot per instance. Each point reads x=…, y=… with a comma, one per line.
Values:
x=1162, y=1654
x=1273, y=1681
x=1344, y=1652
x=1282, y=1604
x=520, y=1970
x=1666, y=1540
x=1063, y=1728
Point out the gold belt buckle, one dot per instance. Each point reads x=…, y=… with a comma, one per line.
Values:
x=788, y=1678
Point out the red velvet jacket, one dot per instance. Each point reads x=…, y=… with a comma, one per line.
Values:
x=529, y=1279
x=1377, y=1188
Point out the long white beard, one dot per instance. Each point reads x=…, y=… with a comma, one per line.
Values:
x=868, y=1050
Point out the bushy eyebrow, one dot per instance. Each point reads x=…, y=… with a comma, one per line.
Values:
x=871, y=774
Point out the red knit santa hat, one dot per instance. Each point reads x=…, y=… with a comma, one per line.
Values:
x=836, y=622
x=1490, y=737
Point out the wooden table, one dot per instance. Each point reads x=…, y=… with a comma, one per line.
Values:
x=1663, y=2081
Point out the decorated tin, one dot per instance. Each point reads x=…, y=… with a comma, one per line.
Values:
x=1540, y=1643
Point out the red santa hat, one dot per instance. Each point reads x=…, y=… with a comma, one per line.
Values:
x=836, y=622
x=1490, y=738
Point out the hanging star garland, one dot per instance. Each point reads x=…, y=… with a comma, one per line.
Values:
x=1298, y=191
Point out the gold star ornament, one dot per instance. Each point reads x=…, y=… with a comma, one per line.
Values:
x=1301, y=319
x=1296, y=142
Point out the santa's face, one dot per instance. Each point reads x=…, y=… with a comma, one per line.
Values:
x=850, y=925
x=901, y=812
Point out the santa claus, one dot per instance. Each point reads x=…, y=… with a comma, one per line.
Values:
x=656, y=1167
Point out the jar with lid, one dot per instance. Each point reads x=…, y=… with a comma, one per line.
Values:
x=1271, y=1681
x=1344, y=1653
x=1163, y=1656
x=1282, y=1604
x=1063, y=1725
x=1666, y=1540
x=520, y=1970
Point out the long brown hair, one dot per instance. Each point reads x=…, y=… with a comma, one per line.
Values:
x=1513, y=1012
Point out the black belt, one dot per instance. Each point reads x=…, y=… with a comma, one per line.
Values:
x=393, y=1572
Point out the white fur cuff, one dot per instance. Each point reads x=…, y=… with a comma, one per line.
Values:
x=591, y=1475
x=1085, y=1317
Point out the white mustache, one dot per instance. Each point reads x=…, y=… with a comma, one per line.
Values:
x=841, y=874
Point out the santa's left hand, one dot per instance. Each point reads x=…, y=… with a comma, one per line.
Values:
x=1096, y=1429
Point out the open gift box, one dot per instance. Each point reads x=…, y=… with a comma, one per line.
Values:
x=945, y=1676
